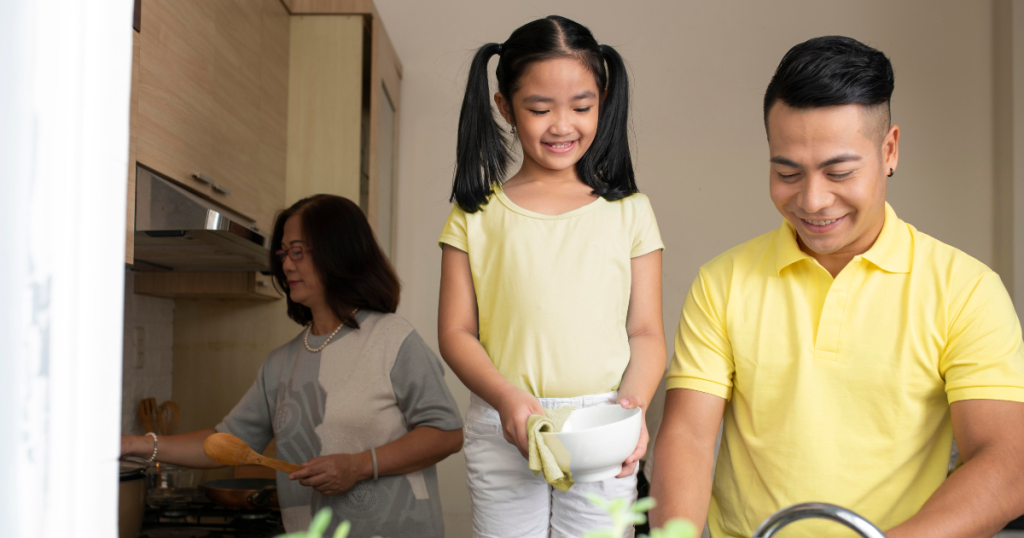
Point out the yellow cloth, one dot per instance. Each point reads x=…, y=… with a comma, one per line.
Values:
x=840, y=390
x=541, y=458
x=552, y=291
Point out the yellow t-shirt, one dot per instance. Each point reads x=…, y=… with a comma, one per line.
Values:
x=839, y=390
x=552, y=291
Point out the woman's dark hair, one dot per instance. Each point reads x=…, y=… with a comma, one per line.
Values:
x=483, y=151
x=353, y=269
x=830, y=71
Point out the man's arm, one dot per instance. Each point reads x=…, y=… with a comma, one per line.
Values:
x=985, y=493
x=684, y=456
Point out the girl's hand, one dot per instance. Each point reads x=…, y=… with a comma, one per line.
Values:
x=334, y=474
x=641, y=446
x=514, y=410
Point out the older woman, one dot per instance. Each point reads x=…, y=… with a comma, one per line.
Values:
x=357, y=395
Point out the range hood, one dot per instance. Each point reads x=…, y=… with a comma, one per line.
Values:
x=177, y=230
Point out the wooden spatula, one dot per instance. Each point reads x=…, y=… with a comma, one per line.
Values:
x=147, y=410
x=167, y=417
x=229, y=450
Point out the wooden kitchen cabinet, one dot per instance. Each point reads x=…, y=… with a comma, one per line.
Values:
x=344, y=95
x=213, y=100
x=206, y=285
x=129, y=244
x=386, y=74
x=175, y=127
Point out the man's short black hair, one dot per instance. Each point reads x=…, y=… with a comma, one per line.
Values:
x=832, y=71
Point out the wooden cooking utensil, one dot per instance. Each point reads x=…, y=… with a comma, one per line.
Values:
x=147, y=409
x=230, y=450
x=167, y=417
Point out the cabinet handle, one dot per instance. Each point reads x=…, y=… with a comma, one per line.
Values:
x=220, y=188
x=203, y=179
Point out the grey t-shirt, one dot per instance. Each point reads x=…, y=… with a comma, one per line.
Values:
x=368, y=387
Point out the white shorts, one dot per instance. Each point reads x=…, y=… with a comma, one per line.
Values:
x=508, y=501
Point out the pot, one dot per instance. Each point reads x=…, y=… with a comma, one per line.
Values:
x=169, y=485
x=243, y=493
x=131, y=499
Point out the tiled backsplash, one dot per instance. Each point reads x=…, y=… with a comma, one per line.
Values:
x=148, y=356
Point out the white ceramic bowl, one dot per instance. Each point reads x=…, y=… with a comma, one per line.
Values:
x=595, y=441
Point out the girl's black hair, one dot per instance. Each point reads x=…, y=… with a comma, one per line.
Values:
x=353, y=269
x=483, y=151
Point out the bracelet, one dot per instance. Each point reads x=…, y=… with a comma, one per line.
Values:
x=373, y=455
x=153, y=457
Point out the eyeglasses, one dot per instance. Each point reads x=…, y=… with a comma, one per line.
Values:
x=295, y=253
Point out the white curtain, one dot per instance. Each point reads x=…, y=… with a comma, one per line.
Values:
x=65, y=75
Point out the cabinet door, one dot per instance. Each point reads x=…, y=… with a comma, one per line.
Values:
x=176, y=128
x=250, y=96
x=386, y=78
x=325, y=106
x=235, y=93
x=214, y=97
x=273, y=127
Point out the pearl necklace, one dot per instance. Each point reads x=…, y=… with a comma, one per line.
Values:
x=329, y=338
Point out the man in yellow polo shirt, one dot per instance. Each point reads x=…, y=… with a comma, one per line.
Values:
x=845, y=349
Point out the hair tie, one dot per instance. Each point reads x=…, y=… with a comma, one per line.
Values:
x=500, y=46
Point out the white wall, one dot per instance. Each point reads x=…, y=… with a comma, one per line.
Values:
x=699, y=72
x=148, y=365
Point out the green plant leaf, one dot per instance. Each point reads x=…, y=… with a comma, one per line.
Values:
x=644, y=504
x=679, y=528
x=598, y=501
x=342, y=530
x=320, y=523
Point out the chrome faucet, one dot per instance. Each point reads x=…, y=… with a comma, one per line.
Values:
x=784, y=517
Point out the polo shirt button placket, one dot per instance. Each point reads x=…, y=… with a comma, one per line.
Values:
x=826, y=345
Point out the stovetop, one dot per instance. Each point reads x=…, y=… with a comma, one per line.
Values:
x=203, y=519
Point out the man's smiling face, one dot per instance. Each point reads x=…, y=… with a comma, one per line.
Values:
x=828, y=174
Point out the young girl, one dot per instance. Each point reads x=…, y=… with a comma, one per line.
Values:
x=550, y=282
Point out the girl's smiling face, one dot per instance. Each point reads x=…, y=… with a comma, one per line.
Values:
x=554, y=110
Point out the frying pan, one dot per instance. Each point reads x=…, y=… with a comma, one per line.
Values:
x=243, y=493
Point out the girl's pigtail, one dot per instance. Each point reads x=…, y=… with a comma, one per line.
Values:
x=607, y=166
x=482, y=152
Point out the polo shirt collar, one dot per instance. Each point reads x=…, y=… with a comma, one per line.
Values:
x=787, y=250
x=893, y=251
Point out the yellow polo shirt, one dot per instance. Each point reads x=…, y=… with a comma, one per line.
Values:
x=839, y=390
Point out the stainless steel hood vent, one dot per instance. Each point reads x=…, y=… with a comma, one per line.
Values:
x=175, y=229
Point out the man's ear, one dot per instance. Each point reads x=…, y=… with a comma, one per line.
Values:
x=891, y=148
x=504, y=107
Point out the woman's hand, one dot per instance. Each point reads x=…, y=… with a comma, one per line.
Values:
x=641, y=447
x=514, y=409
x=334, y=474
x=131, y=445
